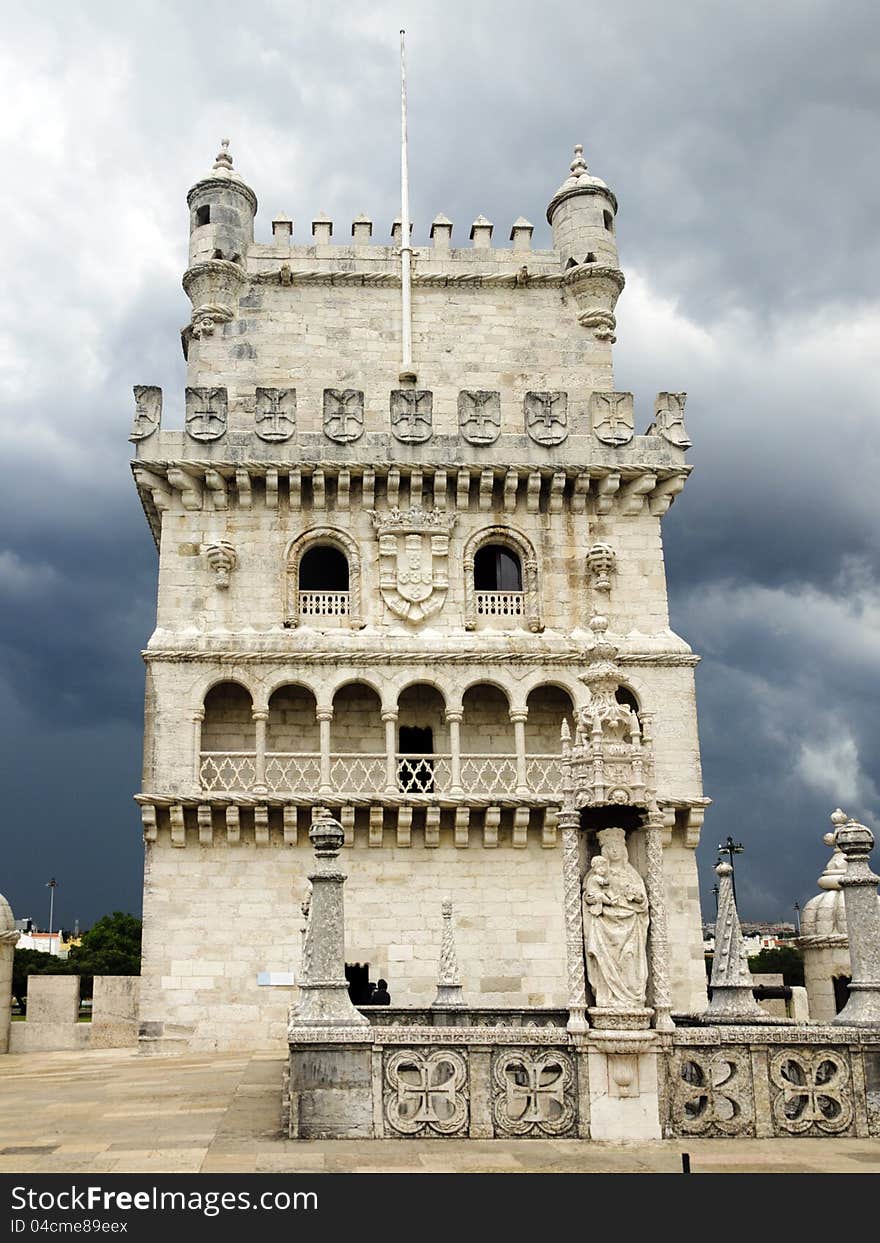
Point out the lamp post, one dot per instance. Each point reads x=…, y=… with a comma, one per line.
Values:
x=51, y=885
x=731, y=848
x=797, y=917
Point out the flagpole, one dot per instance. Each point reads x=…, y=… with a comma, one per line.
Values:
x=406, y=369
x=51, y=887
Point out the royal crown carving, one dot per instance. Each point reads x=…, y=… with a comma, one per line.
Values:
x=413, y=560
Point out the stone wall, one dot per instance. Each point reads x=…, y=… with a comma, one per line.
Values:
x=52, y=1022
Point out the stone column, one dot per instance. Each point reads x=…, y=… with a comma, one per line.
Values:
x=519, y=716
x=390, y=719
x=448, y=983
x=569, y=823
x=198, y=717
x=260, y=718
x=324, y=999
x=659, y=939
x=454, y=717
x=859, y=885
x=8, y=940
x=324, y=716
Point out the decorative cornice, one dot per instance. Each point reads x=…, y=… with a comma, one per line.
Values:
x=520, y=279
x=396, y=656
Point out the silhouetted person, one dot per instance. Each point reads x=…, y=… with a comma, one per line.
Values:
x=381, y=996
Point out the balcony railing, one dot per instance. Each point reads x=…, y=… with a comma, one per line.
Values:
x=500, y=603
x=362, y=773
x=324, y=604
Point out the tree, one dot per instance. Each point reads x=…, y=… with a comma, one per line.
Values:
x=787, y=961
x=112, y=946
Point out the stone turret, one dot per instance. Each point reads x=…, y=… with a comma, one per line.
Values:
x=222, y=209
x=581, y=215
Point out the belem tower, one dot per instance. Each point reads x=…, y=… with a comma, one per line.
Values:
x=412, y=624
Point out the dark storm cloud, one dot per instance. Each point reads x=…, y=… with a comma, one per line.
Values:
x=739, y=141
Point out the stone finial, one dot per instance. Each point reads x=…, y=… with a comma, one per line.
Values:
x=732, y=997
x=322, y=229
x=481, y=233
x=859, y=885
x=222, y=558
x=224, y=159
x=362, y=228
x=448, y=982
x=521, y=234
x=441, y=232
x=824, y=916
x=282, y=228
x=397, y=231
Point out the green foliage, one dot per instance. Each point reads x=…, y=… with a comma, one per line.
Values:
x=787, y=961
x=112, y=946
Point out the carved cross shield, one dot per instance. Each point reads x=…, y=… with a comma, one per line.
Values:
x=612, y=417
x=275, y=413
x=343, y=414
x=413, y=560
x=412, y=414
x=479, y=416
x=147, y=411
x=206, y=410
x=547, y=417
x=669, y=419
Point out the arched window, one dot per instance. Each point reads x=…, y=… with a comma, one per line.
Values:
x=323, y=568
x=323, y=579
x=624, y=695
x=501, y=579
x=496, y=568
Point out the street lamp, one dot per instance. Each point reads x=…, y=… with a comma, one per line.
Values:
x=731, y=848
x=51, y=885
x=797, y=917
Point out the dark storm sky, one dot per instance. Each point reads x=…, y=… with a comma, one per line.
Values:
x=741, y=140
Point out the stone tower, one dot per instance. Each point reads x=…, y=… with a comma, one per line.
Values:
x=384, y=594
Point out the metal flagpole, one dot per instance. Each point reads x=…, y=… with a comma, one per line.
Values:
x=406, y=369
x=50, y=885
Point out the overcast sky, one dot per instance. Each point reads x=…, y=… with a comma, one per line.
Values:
x=741, y=140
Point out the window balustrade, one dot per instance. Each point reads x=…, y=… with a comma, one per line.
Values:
x=324, y=603
x=500, y=603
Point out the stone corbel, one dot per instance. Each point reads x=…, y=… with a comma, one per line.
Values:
x=222, y=558
x=187, y=485
x=633, y=493
x=696, y=816
x=606, y=487
x=601, y=561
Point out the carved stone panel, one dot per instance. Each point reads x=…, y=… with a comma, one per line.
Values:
x=275, y=413
x=479, y=416
x=206, y=413
x=147, y=411
x=811, y=1091
x=426, y=1092
x=412, y=414
x=712, y=1093
x=546, y=417
x=533, y=1093
x=343, y=414
x=669, y=419
x=612, y=417
x=413, y=560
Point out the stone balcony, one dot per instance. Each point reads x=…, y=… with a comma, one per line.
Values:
x=373, y=774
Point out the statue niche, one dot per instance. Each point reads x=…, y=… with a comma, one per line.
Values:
x=615, y=910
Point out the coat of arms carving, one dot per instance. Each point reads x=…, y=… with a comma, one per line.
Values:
x=612, y=417
x=343, y=414
x=412, y=414
x=206, y=410
x=479, y=416
x=413, y=560
x=669, y=419
x=547, y=417
x=275, y=413
x=147, y=411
